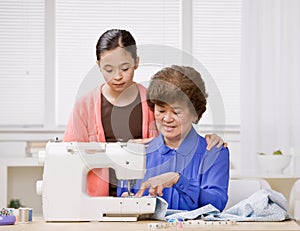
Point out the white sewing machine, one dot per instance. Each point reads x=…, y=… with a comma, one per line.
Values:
x=63, y=187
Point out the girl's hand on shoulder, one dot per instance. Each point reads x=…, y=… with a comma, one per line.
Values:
x=212, y=140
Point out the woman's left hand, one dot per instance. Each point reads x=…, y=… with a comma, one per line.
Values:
x=158, y=183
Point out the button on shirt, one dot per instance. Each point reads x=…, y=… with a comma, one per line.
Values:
x=204, y=175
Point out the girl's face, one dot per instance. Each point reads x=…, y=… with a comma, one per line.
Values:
x=117, y=67
x=174, y=121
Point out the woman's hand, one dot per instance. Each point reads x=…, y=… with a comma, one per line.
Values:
x=212, y=140
x=158, y=183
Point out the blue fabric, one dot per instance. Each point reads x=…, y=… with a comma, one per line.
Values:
x=204, y=175
x=263, y=205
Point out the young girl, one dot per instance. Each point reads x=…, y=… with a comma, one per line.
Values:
x=115, y=111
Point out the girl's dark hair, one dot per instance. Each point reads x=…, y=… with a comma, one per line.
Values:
x=178, y=84
x=114, y=38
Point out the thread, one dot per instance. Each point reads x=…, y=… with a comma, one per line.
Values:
x=25, y=215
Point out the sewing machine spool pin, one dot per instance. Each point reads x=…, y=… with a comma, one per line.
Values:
x=130, y=184
x=128, y=188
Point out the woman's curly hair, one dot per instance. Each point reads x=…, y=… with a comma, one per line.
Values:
x=178, y=84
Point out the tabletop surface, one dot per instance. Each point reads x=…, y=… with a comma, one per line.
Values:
x=39, y=224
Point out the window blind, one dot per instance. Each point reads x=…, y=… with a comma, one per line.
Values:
x=216, y=35
x=217, y=45
x=80, y=23
x=22, y=63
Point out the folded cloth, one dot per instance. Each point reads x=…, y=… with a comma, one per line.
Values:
x=194, y=214
x=160, y=209
x=263, y=205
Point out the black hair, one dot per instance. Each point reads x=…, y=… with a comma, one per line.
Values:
x=114, y=38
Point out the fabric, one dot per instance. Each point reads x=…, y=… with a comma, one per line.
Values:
x=85, y=125
x=204, y=175
x=263, y=205
x=193, y=214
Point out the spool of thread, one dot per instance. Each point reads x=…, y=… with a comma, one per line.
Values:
x=25, y=215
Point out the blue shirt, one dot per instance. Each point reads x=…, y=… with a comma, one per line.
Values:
x=204, y=175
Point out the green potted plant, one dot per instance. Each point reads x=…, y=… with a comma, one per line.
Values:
x=14, y=203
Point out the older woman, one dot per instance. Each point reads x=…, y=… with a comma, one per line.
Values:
x=179, y=168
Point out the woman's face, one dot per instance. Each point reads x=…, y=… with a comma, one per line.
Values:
x=174, y=121
x=117, y=67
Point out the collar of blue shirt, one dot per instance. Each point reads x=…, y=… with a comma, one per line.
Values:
x=189, y=144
